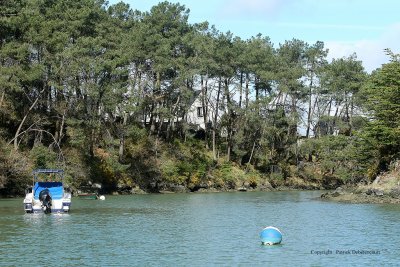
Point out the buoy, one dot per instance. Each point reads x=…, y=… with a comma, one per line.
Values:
x=102, y=198
x=270, y=236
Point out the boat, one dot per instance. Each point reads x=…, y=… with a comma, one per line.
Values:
x=88, y=192
x=271, y=236
x=48, y=193
x=88, y=195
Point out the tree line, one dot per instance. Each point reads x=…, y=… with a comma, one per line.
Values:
x=103, y=90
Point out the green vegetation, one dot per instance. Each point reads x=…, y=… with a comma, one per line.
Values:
x=105, y=92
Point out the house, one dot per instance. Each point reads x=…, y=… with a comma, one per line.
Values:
x=195, y=114
x=190, y=111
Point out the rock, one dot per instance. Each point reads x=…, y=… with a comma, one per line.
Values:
x=137, y=191
x=208, y=190
x=166, y=192
x=395, y=192
x=363, y=182
x=339, y=190
x=96, y=185
x=179, y=188
x=335, y=194
x=377, y=179
x=374, y=192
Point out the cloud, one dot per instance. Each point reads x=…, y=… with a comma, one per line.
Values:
x=251, y=8
x=370, y=52
x=322, y=26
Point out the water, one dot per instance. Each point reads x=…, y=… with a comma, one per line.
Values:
x=219, y=229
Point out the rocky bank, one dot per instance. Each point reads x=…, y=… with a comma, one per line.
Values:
x=384, y=189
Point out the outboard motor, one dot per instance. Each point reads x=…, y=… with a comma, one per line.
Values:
x=45, y=198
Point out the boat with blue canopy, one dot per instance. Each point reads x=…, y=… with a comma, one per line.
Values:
x=48, y=193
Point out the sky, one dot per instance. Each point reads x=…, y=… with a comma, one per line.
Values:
x=365, y=27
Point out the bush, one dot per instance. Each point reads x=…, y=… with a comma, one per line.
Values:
x=229, y=175
x=44, y=158
x=15, y=172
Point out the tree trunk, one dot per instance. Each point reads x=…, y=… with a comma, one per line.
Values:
x=152, y=121
x=156, y=91
x=252, y=152
x=351, y=115
x=122, y=138
x=171, y=121
x=313, y=110
x=2, y=98
x=22, y=123
x=58, y=135
x=247, y=91
x=241, y=90
x=230, y=118
x=309, y=115
x=204, y=90
x=215, y=122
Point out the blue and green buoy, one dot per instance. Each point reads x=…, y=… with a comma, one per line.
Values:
x=270, y=236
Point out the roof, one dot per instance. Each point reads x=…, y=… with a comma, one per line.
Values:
x=47, y=171
x=194, y=96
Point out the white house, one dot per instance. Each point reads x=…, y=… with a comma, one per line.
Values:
x=195, y=114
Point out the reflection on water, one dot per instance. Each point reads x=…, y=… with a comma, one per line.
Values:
x=200, y=230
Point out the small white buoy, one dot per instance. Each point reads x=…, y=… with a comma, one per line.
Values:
x=102, y=198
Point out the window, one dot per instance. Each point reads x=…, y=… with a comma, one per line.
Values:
x=200, y=112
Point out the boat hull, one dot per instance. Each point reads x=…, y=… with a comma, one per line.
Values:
x=57, y=206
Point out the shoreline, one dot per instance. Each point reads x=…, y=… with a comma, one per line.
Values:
x=385, y=189
x=355, y=196
x=136, y=191
x=350, y=195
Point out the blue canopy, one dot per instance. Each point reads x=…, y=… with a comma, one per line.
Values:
x=55, y=189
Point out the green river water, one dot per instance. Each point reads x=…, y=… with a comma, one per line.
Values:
x=210, y=229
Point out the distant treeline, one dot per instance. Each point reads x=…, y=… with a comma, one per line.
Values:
x=105, y=91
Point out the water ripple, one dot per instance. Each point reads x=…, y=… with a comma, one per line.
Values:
x=199, y=230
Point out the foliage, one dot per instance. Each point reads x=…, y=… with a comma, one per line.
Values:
x=106, y=168
x=44, y=158
x=15, y=171
x=108, y=91
x=185, y=164
x=76, y=170
x=382, y=98
x=229, y=175
x=343, y=157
